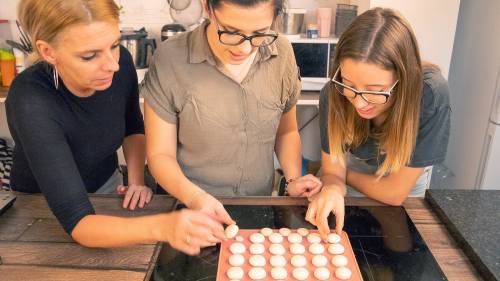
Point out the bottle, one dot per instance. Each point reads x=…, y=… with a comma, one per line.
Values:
x=7, y=67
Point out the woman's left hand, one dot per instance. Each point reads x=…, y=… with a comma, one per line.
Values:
x=305, y=186
x=135, y=195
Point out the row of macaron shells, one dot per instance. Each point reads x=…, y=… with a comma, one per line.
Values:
x=278, y=261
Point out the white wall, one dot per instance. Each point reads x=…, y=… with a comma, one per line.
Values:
x=434, y=29
x=434, y=23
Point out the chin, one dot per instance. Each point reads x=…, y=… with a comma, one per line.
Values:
x=102, y=87
x=367, y=116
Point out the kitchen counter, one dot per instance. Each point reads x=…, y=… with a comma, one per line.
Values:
x=3, y=93
x=473, y=219
x=34, y=247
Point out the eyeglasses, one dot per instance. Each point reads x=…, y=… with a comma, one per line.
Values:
x=233, y=38
x=376, y=97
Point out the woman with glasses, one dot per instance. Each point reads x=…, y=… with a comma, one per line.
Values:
x=220, y=100
x=384, y=118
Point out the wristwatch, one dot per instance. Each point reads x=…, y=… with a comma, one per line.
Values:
x=283, y=188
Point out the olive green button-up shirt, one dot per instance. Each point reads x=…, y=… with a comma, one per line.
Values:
x=226, y=130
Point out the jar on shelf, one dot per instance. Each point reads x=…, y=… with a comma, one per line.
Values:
x=312, y=30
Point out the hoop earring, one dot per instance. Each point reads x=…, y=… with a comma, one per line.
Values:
x=56, y=77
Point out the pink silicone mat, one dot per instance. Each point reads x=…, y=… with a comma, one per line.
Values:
x=224, y=255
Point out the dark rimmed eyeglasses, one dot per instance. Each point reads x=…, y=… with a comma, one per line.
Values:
x=233, y=38
x=376, y=97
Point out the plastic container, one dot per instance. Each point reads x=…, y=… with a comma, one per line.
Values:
x=324, y=17
x=7, y=67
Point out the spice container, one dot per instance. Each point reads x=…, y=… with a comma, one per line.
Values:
x=312, y=30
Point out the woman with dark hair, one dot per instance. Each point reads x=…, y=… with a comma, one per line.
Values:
x=384, y=117
x=220, y=100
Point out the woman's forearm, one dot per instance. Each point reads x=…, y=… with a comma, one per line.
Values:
x=334, y=181
x=134, y=150
x=392, y=189
x=102, y=231
x=289, y=154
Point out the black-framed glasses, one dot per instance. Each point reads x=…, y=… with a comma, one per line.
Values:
x=376, y=97
x=233, y=38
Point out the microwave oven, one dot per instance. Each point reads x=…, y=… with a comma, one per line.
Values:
x=315, y=59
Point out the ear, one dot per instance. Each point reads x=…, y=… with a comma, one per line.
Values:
x=206, y=9
x=46, y=51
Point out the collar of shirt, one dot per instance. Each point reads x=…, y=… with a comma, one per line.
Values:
x=199, y=50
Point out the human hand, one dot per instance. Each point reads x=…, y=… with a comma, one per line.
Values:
x=135, y=195
x=206, y=203
x=189, y=231
x=305, y=186
x=329, y=199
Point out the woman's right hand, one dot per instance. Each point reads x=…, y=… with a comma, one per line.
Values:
x=208, y=204
x=329, y=199
x=189, y=231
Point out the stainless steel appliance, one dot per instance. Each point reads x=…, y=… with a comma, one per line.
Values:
x=138, y=45
x=170, y=30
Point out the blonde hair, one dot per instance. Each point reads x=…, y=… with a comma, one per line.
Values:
x=45, y=20
x=384, y=38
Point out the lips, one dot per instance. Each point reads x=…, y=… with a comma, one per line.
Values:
x=238, y=57
x=105, y=80
x=364, y=112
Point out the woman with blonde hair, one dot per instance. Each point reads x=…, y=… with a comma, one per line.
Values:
x=384, y=118
x=68, y=115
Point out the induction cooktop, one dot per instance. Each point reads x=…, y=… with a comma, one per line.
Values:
x=386, y=244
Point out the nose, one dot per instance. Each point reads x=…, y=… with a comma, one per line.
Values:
x=245, y=47
x=110, y=63
x=359, y=102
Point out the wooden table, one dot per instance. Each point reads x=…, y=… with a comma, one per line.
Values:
x=34, y=247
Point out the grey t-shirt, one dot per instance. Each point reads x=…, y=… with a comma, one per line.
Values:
x=434, y=127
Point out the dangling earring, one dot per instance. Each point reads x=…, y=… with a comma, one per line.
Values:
x=56, y=77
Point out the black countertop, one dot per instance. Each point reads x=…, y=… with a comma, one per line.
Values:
x=385, y=241
x=473, y=219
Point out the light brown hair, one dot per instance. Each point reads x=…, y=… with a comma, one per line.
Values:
x=384, y=38
x=45, y=20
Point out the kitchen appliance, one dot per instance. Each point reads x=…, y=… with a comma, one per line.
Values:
x=188, y=13
x=397, y=250
x=293, y=19
x=314, y=58
x=138, y=45
x=344, y=16
x=170, y=30
x=474, y=79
